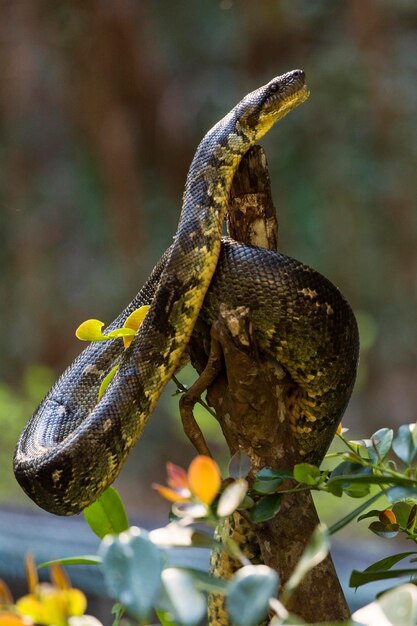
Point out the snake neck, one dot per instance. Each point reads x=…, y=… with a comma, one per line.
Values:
x=195, y=251
x=196, y=248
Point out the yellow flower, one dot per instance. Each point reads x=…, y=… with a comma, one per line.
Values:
x=50, y=605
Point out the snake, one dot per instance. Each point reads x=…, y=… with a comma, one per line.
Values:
x=74, y=446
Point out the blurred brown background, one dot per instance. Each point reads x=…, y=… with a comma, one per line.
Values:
x=102, y=104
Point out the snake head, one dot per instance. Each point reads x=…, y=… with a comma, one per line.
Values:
x=261, y=108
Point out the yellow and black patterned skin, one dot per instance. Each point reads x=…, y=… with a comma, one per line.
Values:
x=73, y=447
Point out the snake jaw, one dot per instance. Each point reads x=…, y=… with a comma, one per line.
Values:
x=270, y=103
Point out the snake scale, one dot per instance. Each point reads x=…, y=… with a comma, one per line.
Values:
x=73, y=447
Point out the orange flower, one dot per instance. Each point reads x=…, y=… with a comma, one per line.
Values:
x=201, y=482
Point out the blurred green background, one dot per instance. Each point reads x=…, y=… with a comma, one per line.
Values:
x=102, y=104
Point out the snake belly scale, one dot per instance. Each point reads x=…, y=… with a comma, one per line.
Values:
x=73, y=447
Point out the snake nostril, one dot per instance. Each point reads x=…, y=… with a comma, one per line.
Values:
x=298, y=74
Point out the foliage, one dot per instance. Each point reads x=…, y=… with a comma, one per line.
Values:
x=136, y=566
x=91, y=330
x=140, y=577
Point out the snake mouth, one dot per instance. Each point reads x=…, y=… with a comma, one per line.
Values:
x=288, y=89
x=280, y=96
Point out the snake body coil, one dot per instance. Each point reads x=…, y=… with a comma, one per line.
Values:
x=73, y=447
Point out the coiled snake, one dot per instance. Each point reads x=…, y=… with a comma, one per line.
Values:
x=73, y=447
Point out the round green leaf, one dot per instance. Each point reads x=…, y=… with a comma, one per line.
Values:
x=347, y=468
x=307, y=473
x=249, y=592
x=132, y=567
x=266, y=508
x=265, y=486
x=380, y=444
x=400, y=493
x=402, y=512
x=267, y=480
x=107, y=515
x=405, y=443
x=355, y=490
x=181, y=599
x=269, y=473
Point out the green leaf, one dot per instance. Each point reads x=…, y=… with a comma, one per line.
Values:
x=335, y=489
x=86, y=559
x=107, y=515
x=186, y=604
x=267, y=480
x=396, y=607
x=351, y=516
x=232, y=497
x=373, y=513
x=349, y=468
x=357, y=579
x=269, y=473
x=402, y=493
x=402, y=512
x=357, y=490
x=405, y=444
x=265, y=487
x=206, y=582
x=106, y=381
x=380, y=444
x=410, y=486
x=315, y=552
x=239, y=465
x=266, y=508
x=307, y=473
x=249, y=592
x=247, y=503
x=411, y=522
x=388, y=562
x=132, y=567
x=118, y=611
x=387, y=531
x=164, y=618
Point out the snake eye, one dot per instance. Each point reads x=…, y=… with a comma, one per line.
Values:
x=273, y=87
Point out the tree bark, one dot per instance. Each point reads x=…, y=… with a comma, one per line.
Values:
x=249, y=400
